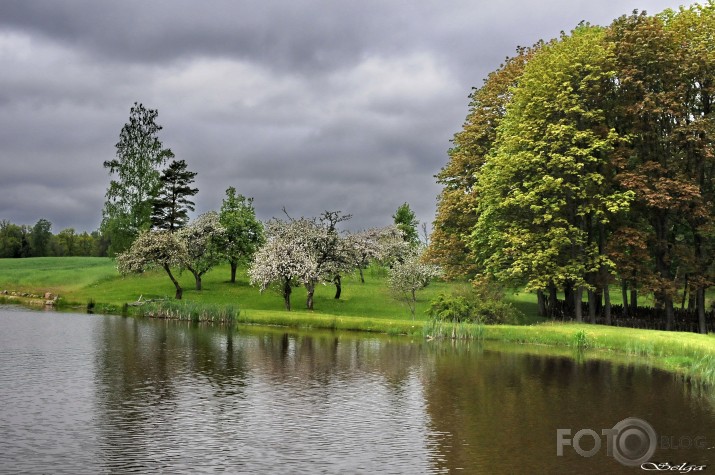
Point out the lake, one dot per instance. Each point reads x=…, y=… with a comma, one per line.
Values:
x=96, y=394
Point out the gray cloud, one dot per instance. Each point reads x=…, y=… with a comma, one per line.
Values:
x=311, y=105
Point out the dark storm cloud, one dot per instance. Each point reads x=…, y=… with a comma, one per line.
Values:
x=311, y=105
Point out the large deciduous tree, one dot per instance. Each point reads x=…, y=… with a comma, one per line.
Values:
x=139, y=156
x=662, y=157
x=546, y=192
x=244, y=233
x=171, y=206
x=457, y=203
x=40, y=238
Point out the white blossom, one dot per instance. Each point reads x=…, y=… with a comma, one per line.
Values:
x=410, y=275
x=204, y=238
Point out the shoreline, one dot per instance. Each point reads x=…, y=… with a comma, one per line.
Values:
x=688, y=355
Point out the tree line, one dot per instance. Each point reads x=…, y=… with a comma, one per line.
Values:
x=22, y=240
x=588, y=161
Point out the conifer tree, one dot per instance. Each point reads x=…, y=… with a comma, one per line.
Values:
x=172, y=204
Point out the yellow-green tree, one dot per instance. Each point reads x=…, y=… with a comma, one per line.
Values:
x=457, y=203
x=546, y=192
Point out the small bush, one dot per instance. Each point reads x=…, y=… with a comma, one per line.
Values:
x=466, y=305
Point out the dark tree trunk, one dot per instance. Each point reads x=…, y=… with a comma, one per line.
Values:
x=634, y=300
x=569, y=297
x=700, y=297
x=287, y=289
x=179, y=290
x=541, y=299
x=591, y=306
x=604, y=277
x=685, y=293
x=552, y=300
x=607, y=305
x=624, y=296
x=577, y=299
x=197, y=277
x=669, y=313
x=661, y=226
x=234, y=266
x=362, y=278
x=338, y=286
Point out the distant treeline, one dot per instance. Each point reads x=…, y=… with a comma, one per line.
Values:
x=20, y=240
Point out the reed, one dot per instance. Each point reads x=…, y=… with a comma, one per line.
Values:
x=191, y=311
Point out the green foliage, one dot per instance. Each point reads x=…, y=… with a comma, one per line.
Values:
x=244, y=232
x=466, y=305
x=406, y=221
x=581, y=340
x=40, y=237
x=543, y=189
x=456, y=205
x=14, y=240
x=454, y=330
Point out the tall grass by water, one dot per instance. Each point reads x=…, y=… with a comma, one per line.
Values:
x=191, y=311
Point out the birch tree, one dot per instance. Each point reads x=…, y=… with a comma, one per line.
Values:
x=139, y=155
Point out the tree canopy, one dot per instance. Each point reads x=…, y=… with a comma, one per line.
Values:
x=406, y=221
x=244, y=233
x=589, y=159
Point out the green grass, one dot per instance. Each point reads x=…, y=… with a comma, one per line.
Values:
x=63, y=275
x=362, y=307
x=79, y=280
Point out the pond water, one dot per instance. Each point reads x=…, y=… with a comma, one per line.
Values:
x=97, y=394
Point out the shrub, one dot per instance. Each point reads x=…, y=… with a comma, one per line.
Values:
x=466, y=305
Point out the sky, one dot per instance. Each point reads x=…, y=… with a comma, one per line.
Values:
x=307, y=105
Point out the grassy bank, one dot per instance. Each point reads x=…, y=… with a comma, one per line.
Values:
x=362, y=307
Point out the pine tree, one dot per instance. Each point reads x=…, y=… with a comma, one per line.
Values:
x=171, y=206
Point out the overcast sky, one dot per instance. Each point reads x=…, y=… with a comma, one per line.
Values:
x=311, y=105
